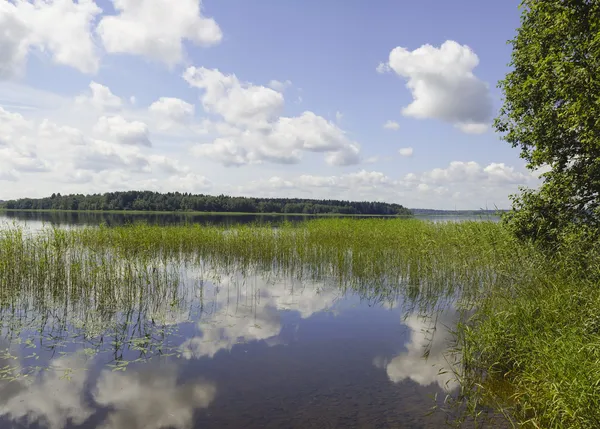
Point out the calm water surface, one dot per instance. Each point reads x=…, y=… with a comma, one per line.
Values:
x=38, y=219
x=220, y=349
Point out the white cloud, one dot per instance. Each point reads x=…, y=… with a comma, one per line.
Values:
x=443, y=85
x=123, y=131
x=406, y=151
x=237, y=103
x=62, y=28
x=257, y=132
x=13, y=41
x=23, y=160
x=61, y=136
x=100, y=97
x=382, y=68
x=279, y=86
x=391, y=125
x=103, y=156
x=172, y=111
x=460, y=172
x=157, y=29
x=13, y=126
x=338, y=117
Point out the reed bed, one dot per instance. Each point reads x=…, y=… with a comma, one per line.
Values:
x=529, y=341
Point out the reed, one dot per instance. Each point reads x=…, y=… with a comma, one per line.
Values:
x=528, y=341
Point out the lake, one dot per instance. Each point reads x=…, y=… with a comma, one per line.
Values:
x=37, y=219
x=98, y=341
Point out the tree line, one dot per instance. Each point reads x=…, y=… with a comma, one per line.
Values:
x=177, y=201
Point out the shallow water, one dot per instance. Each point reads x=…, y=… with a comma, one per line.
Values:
x=36, y=220
x=244, y=351
x=211, y=347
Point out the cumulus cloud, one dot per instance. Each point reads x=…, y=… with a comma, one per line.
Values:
x=100, y=97
x=255, y=131
x=172, y=111
x=443, y=85
x=60, y=135
x=460, y=172
x=406, y=151
x=237, y=103
x=391, y=125
x=123, y=131
x=13, y=126
x=100, y=155
x=157, y=29
x=60, y=28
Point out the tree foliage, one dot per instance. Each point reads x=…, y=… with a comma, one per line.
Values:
x=551, y=112
x=176, y=201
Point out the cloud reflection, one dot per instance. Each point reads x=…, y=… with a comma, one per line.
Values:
x=426, y=335
x=53, y=400
x=149, y=397
x=254, y=313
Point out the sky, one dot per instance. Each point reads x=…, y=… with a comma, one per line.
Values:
x=383, y=100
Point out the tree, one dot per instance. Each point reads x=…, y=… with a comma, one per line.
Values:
x=551, y=112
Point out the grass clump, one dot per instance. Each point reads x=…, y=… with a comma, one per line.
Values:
x=533, y=349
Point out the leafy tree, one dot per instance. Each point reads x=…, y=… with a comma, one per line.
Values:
x=551, y=112
x=176, y=201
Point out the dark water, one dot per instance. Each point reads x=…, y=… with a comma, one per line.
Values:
x=37, y=219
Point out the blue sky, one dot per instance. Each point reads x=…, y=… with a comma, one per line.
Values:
x=258, y=98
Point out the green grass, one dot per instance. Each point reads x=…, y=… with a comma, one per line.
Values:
x=528, y=342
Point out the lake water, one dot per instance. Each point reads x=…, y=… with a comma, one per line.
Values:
x=38, y=219
x=220, y=349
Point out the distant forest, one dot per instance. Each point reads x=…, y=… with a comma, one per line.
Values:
x=176, y=201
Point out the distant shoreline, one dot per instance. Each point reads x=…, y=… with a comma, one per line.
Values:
x=199, y=213
x=196, y=213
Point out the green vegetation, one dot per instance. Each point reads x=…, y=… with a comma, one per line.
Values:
x=527, y=341
x=145, y=201
x=551, y=113
x=106, y=280
x=534, y=348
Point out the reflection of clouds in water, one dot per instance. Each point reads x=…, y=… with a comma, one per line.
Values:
x=412, y=364
x=253, y=314
x=151, y=399
x=53, y=400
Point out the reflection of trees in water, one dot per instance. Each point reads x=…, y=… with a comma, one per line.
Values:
x=63, y=218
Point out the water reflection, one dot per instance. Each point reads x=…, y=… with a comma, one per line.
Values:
x=251, y=350
x=426, y=359
x=249, y=309
x=151, y=398
x=52, y=400
x=37, y=219
x=68, y=392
